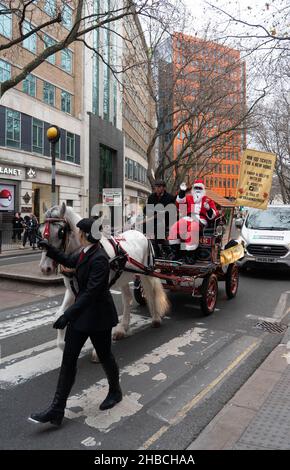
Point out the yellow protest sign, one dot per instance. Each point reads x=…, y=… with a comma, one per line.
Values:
x=255, y=180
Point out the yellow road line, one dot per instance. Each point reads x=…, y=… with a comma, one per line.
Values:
x=186, y=408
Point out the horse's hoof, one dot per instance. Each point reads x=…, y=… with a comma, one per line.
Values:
x=156, y=324
x=118, y=335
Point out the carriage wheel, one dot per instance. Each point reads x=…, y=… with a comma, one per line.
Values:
x=139, y=292
x=209, y=293
x=232, y=281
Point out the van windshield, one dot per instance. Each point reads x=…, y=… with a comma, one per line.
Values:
x=277, y=218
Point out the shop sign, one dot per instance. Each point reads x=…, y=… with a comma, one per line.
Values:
x=6, y=170
x=112, y=197
x=7, y=197
x=26, y=209
x=30, y=173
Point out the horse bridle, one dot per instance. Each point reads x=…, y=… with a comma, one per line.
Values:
x=63, y=230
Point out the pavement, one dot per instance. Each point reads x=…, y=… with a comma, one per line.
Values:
x=29, y=272
x=258, y=416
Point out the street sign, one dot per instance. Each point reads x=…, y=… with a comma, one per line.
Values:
x=112, y=197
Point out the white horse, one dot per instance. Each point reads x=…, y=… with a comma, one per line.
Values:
x=60, y=228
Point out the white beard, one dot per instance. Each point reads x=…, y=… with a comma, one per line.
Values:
x=198, y=195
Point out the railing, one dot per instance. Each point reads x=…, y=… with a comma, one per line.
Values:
x=6, y=241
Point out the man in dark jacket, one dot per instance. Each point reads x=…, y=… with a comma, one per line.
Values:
x=160, y=197
x=92, y=315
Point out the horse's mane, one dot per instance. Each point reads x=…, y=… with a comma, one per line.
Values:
x=72, y=217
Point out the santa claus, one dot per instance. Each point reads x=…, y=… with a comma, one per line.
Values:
x=196, y=211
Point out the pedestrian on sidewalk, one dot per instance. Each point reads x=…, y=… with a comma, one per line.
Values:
x=93, y=315
x=17, y=222
x=30, y=230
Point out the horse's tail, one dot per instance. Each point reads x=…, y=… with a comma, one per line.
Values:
x=156, y=297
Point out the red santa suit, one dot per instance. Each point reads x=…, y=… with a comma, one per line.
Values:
x=196, y=210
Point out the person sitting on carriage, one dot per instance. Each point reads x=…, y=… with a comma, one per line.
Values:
x=196, y=211
x=160, y=200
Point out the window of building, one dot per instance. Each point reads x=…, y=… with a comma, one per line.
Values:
x=130, y=169
x=50, y=7
x=67, y=14
x=57, y=148
x=30, y=42
x=49, y=93
x=5, y=22
x=13, y=125
x=106, y=168
x=48, y=41
x=29, y=85
x=70, y=147
x=37, y=135
x=5, y=71
x=126, y=168
x=66, y=100
x=66, y=60
x=69, y=202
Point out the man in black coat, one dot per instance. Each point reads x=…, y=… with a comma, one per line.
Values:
x=92, y=315
x=160, y=197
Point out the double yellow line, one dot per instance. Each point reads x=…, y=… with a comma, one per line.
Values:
x=188, y=406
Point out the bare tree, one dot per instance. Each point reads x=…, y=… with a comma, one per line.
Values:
x=199, y=98
x=30, y=18
x=273, y=135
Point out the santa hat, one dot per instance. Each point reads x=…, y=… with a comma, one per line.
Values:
x=199, y=183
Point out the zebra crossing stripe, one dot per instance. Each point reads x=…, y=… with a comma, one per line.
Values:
x=29, y=322
x=26, y=365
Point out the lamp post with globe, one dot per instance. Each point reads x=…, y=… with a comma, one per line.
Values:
x=53, y=135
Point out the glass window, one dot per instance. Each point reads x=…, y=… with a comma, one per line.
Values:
x=57, y=149
x=5, y=71
x=48, y=93
x=12, y=128
x=106, y=169
x=67, y=14
x=48, y=41
x=66, y=60
x=30, y=42
x=126, y=168
x=29, y=85
x=37, y=135
x=70, y=147
x=5, y=22
x=66, y=101
x=50, y=7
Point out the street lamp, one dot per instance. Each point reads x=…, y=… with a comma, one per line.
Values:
x=53, y=135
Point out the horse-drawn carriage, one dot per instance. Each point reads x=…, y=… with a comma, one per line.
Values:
x=215, y=261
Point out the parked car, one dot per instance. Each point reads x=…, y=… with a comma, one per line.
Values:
x=266, y=237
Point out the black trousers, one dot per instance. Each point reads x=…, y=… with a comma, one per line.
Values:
x=74, y=341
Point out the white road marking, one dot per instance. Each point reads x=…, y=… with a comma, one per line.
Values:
x=31, y=321
x=25, y=365
x=160, y=376
x=115, y=292
x=87, y=402
x=89, y=442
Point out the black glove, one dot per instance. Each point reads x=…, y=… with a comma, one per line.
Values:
x=210, y=213
x=43, y=244
x=60, y=323
x=182, y=191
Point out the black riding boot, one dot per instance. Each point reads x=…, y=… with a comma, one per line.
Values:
x=55, y=412
x=115, y=393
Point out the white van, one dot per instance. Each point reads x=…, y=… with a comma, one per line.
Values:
x=266, y=237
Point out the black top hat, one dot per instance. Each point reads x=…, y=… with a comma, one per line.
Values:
x=160, y=183
x=85, y=225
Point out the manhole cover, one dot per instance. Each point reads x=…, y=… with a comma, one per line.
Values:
x=271, y=327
